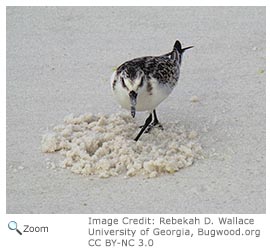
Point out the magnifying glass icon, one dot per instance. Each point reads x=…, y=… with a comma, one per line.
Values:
x=12, y=225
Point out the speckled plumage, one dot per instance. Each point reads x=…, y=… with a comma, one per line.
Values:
x=149, y=79
x=164, y=69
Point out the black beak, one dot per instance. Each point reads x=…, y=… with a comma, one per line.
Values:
x=133, y=102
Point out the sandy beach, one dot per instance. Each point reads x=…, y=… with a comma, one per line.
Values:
x=59, y=62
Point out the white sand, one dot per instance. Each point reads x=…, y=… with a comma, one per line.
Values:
x=104, y=145
x=59, y=61
x=194, y=99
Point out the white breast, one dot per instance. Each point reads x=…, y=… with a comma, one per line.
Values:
x=146, y=101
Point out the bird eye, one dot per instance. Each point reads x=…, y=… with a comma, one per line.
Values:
x=123, y=83
x=141, y=83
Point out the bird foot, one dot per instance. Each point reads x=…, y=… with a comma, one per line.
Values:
x=154, y=125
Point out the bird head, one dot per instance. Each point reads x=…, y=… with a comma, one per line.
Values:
x=133, y=85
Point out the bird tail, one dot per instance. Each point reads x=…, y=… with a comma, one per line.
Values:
x=177, y=46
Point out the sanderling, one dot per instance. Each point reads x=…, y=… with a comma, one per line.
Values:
x=141, y=84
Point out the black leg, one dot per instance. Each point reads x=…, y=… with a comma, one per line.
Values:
x=146, y=124
x=154, y=123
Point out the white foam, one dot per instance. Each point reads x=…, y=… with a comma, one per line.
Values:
x=103, y=145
